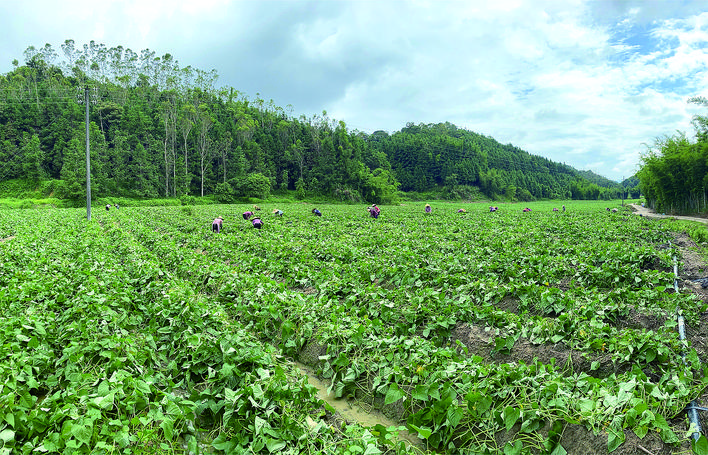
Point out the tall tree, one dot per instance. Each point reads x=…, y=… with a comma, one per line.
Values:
x=204, y=125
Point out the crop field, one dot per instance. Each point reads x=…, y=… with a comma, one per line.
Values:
x=543, y=332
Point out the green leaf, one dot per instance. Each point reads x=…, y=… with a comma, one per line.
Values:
x=167, y=426
x=615, y=438
x=82, y=433
x=371, y=449
x=700, y=447
x=559, y=450
x=394, y=394
x=261, y=424
x=641, y=431
x=454, y=415
x=7, y=435
x=423, y=432
x=511, y=416
x=275, y=445
x=650, y=355
x=515, y=449
x=420, y=392
x=223, y=443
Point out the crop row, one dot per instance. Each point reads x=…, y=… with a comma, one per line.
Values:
x=377, y=302
x=104, y=350
x=144, y=328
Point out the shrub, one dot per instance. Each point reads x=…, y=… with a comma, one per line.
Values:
x=224, y=193
x=187, y=199
x=256, y=185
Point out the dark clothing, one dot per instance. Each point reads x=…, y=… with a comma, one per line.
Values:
x=317, y=212
x=247, y=215
x=257, y=223
x=216, y=225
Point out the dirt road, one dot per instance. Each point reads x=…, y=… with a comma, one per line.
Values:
x=649, y=213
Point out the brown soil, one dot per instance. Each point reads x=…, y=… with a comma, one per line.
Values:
x=577, y=439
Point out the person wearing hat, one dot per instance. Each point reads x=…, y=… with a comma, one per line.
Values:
x=257, y=223
x=316, y=212
x=428, y=208
x=217, y=224
x=277, y=212
x=247, y=215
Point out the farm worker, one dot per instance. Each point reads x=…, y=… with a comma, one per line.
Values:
x=108, y=207
x=255, y=207
x=462, y=211
x=428, y=208
x=564, y=208
x=247, y=215
x=555, y=209
x=257, y=223
x=374, y=211
x=117, y=206
x=316, y=212
x=493, y=208
x=526, y=210
x=217, y=224
x=277, y=212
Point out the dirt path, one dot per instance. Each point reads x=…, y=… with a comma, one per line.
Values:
x=649, y=213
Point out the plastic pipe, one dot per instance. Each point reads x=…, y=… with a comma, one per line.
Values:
x=692, y=409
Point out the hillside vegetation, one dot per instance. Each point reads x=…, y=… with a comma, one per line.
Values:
x=674, y=173
x=161, y=130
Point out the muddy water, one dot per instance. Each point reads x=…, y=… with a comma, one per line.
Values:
x=351, y=412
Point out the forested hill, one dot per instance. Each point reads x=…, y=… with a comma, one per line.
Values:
x=161, y=130
x=424, y=157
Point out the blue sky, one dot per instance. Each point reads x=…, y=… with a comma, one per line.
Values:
x=587, y=83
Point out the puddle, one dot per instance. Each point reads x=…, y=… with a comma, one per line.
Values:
x=351, y=412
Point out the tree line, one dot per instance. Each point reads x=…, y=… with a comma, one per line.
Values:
x=161, y=130
x=674, y=172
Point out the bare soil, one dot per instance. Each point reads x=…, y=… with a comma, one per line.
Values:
x=577, y=439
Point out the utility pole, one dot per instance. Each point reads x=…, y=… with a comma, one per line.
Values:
x=88, y=157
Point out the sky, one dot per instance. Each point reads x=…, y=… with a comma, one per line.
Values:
x=592, y=84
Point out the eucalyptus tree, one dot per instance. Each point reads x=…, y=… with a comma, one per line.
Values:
x=169, y=115
x=204, y=124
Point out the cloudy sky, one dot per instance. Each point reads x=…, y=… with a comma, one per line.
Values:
x=587, y=83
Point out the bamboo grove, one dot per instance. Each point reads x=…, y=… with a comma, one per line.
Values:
x=674, y=173
x=161, y=130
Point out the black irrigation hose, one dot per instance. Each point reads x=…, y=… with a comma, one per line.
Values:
x=692, y=409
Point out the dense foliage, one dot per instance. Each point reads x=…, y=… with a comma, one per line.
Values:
x=160, y=130
x=144, y=332
x=427, y=156
x=674, y=173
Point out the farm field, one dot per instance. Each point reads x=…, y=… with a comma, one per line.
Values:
x=142, y=331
